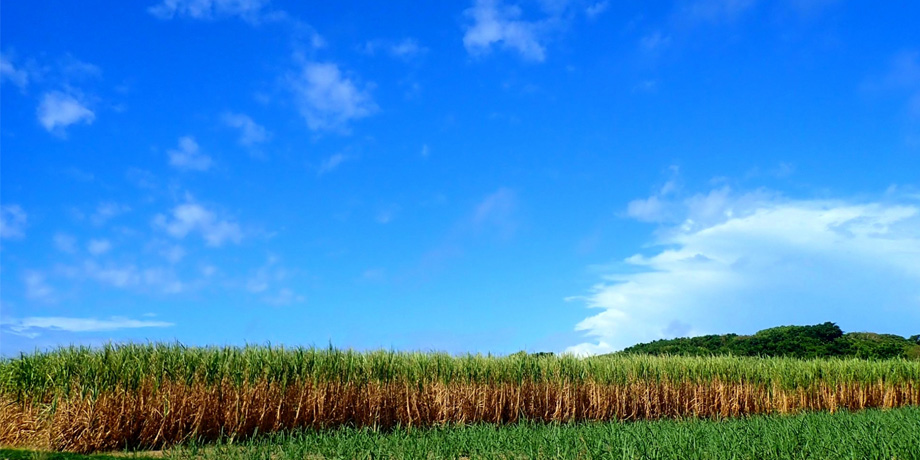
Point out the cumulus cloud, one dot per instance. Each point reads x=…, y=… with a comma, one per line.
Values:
x=13, y=221
x=328, y=100
x=33, y=326
x=249, y=10
x=738, y=262
x=191, y=217
x=188, y=156
x=494, y=23
x=251, y=133
x=58, y=110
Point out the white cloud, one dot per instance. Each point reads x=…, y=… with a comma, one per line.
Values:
x=654, y=41
x=716, y=10
x=58, y=110
x=65, y=243
x=327, y=99
x=284, y=297
x=9, y=72
x=30, y=326
x=73, y=68
x=904, y=75
x=98, y=247
x=13, y=221
x=113, y=275
x=173, y=254
x=106, y=211
x=129, y=276
x=249, y=10
x=595, y=9
x=405, y=49
x=729, y=262
x=651, y=209
x=192, y=217
x=163, y=279
x=251, y=133
x=188, y=156
x=37, y=288
x=496, y=211
x=332, y=163
x=262, y=279
x=494, y=23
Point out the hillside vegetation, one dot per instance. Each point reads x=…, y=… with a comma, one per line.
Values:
x=818, y=341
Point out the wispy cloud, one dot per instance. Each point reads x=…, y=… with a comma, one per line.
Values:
x=106, y=211
x=13, y=221
x=249, y=10
x=327, y=99
x=266, y=278
x=736, y=262
x=172, y=253
x=904, y=75
x=654, y=42
x=261, y=278
x=283, y=297
x=596, y=9
x=494, y=23
x=8, y=72
x=188, y=156
x=58, y=110
x=191, y=217
x=65, y=243
x=251, y=133
x=497, y=212
x=332, y=163
x=34, y=326
x=387, y=213
x=494, y=216
x=129, y=276
x=405, y=49
x=37, y=288
x=716, y=10
x=98, y=247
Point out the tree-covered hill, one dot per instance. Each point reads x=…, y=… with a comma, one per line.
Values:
x=820, y=340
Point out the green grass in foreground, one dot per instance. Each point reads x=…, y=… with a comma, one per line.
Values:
x=872, y=434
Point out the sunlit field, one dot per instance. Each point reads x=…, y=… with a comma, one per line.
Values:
x=156, y=396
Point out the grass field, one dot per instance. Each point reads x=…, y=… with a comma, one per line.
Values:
x=870, y=434
x=155, y=396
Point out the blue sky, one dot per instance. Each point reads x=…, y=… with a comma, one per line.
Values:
x=476, y=175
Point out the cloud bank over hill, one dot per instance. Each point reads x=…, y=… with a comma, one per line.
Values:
x=726, y=261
